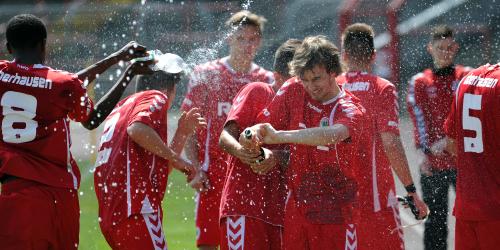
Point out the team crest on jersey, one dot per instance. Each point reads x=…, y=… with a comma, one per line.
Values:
x=454, y=85
x=431, y=91
x=324, y=122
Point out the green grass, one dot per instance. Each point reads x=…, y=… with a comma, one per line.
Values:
x=178, y=209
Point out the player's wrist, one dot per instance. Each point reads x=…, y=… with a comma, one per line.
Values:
x=411, y=189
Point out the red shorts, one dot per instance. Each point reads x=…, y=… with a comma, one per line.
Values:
x=300, y=234
x=242, y=232
x=140, y=231
x=477, y=235
x=36, y=216
x=207, y=212
x=380, y=230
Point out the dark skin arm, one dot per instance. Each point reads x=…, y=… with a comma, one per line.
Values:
x=112, y=97
x=128, y=52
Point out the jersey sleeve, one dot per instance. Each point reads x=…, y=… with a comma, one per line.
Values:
x=277, y=112
x=350, y=114
x=387, y=116
x=416, y=97
x=81, y=104
x=247, y=104
x=150, y=110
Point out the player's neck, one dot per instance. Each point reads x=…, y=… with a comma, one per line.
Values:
x=27, y=59
x=359, y=68
x=238, y=65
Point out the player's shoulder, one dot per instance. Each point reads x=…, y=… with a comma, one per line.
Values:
x=291, y=86
x=461, y=71
x=59, y=76
x=267, y=75
x=421, y=77
x=383, y=83
x=153, y=95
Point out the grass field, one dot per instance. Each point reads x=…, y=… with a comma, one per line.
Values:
x=178, y=207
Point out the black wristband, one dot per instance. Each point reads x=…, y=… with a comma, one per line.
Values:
x=411, y=188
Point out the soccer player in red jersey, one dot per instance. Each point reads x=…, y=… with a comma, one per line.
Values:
x=320, y=209
x=430, y=94
x=132, y=166
x=253, y=200
x=213, y=86
x=472, y=130
x=380, y=225
x=39, y=203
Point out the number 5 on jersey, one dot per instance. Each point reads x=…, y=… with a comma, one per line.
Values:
x=472, y=144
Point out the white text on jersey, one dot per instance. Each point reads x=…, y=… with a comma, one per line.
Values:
x=29, y=81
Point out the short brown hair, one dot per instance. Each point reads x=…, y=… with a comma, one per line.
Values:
x=284, y=55
x=246, y=17
x=159, y=80
x=441, y=32
x=316, y=50
x=357, y=41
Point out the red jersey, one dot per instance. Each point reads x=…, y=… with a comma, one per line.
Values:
x=129, y=179
x=430, y=94
x=378, y=96
x=321, y=178
x=212, y=88
x=36, y=105
x=474, y=123
x=245, y=192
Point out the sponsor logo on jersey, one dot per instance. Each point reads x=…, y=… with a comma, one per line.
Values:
x=223, y=108
x=309, y=105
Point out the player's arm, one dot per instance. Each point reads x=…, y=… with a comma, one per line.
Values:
x=188, y=123
x=112, y=97
x=147, y=138
x=129, y=51
x=319, y=136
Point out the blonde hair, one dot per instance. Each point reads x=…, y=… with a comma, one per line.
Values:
x=246, y=17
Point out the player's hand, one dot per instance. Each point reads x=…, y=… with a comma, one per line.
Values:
x=266, y=164
x=425, y=165
x=199, y=181
x=130, y=51
x=183, y=165
x=266, y=134
x=190, y=121
x=140, y=68
x=248, y=155
x=420, y=205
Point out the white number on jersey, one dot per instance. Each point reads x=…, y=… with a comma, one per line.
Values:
x=19, y=109
x=472, y=144
x=109, y=129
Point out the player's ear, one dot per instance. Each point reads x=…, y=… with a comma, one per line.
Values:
x=429, y=48
x=374, y=56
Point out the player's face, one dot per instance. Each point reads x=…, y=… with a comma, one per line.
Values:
x=245, y=42
x=443, y=51
x=318, y=83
